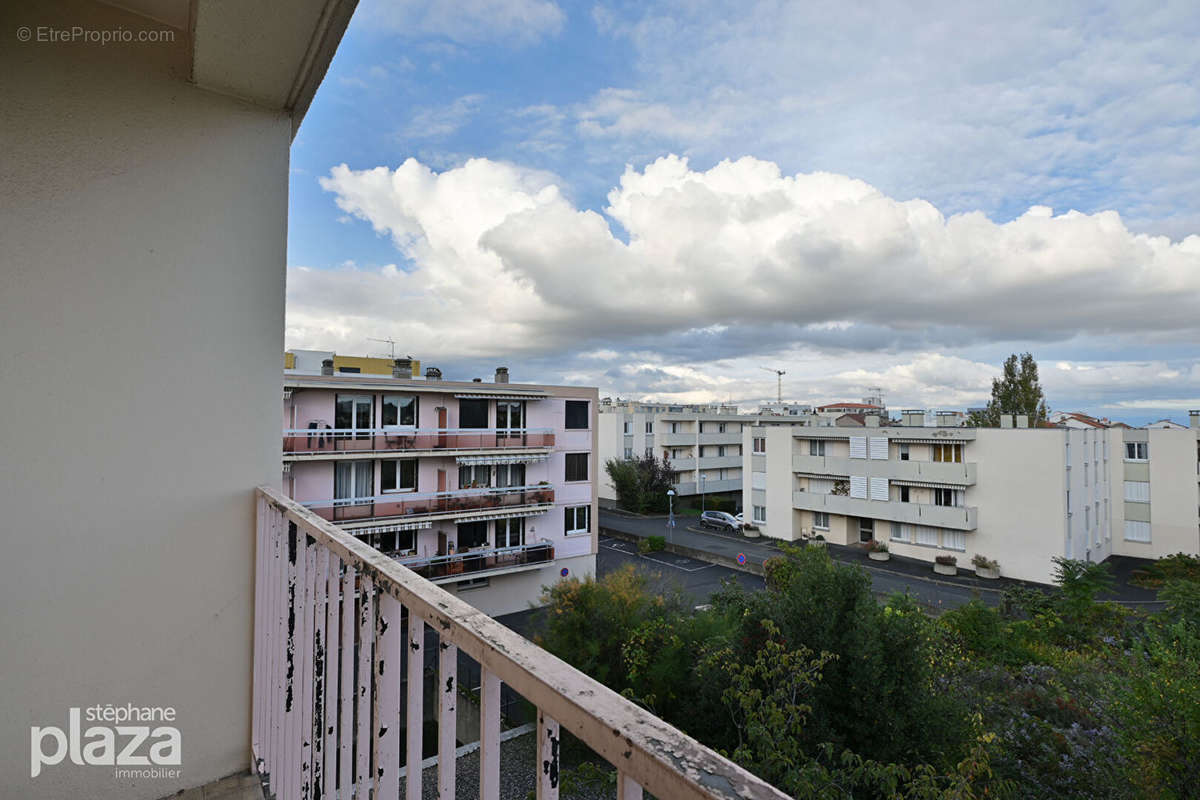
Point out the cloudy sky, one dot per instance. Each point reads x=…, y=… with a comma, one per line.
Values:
x=662, y=199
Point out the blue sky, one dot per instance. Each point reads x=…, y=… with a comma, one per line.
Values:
x=661, y=198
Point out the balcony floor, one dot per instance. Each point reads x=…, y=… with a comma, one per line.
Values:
x=242, y=786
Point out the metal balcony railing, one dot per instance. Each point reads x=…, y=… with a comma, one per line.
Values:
x=335, y=618
x=417, y=505
x=478, y=560
x=321, y=440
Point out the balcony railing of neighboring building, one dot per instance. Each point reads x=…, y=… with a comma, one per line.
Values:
x=414, y=505
x=478, y=560
x=334, y=621
x=320, y=439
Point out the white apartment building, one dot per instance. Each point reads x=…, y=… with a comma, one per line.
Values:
x=703, y=443
x=1014, y=494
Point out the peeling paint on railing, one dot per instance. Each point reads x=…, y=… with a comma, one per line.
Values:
x=376, y=593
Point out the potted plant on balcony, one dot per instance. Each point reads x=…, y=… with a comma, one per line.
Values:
x=817, y=541
x=878, y=551
x=945, y=565
x=985, y=567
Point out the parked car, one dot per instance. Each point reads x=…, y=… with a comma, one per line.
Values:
x=721, y=521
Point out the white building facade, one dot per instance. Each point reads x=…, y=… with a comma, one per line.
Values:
x=1016, y=495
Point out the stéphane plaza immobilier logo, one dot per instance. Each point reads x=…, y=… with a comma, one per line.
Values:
x=132, y=739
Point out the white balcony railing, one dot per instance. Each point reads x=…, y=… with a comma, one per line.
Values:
x=335, y=618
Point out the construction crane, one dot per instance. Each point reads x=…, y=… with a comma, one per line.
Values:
x=390, y=342
x=779, y=373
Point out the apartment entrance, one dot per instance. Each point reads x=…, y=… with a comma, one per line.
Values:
x=866, y=530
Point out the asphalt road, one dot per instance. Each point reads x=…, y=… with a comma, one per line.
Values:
x=699, y=579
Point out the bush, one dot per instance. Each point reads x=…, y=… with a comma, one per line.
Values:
x=1080, y=582
x=947, y=561
x=983, y=562
x=657, y=543
x=877, y=546
x=1179, y=566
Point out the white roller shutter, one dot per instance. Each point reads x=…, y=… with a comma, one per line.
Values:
x=858, y=447
x=758, y=480
x=879, y=489
x=1137, y=531
x=858, y=486
x=879, y=448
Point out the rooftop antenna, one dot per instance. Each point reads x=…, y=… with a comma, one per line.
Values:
x=390, y=342
x=779, y=373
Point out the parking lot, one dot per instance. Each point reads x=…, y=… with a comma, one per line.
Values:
x=697, y=580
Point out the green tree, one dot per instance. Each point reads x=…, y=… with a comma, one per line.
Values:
x=1017, y=391
x=641, y=484
x=1080, y=582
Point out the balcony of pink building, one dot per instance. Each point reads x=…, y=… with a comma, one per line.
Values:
x=414, y=505
x=452, y=565
x=319, y=440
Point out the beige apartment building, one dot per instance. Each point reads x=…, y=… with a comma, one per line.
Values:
x=1014, y=494
x=702, y=443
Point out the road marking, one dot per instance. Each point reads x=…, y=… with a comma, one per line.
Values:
x=657, y=561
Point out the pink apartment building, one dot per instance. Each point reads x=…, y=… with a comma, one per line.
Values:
x=487, y=489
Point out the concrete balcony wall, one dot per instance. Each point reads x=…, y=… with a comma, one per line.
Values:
x=963, y=518
x=676, y=439
x=931, y=471
x=721, y=438
x=682, y=464
x=717, y=462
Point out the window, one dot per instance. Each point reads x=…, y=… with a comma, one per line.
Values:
x=391, y=541
x=760, y=514
x=1085, y=473
x=398, y=475
x=720, y=450
x=1137, y=531
x=815, y=485
x=948, y=452
x=927, y=536
x=350, y=370
x=821, y=520
x=628, y=427
x=352, y=412
x=904, y=494
x=673, y=427
x=1137, y=451
x=471, y=534
x=904, y=452
x=577, y=519
x=816, y=447
x=577, y=466
x=900, y=532
x=758, y=480
x=945, y=497
x=649, y=452
x=473, y=476
x=510, y=532
x=628, y=453
x=510, y=475
x=577, y=414
x=720, y=427
x=649, y=427
x=472, y=413
x=1087, y=520
x=510, y=415
x=954, y=540
x=1137, y=491
x=353, y=481
x=399, y=410
x=760, y=444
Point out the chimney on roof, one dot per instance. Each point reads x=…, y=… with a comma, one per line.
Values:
x=433, y=374
x=1006, y=420
x=402, y=368
x=1195, y=417
x=327, y=366
x=501, y=374
x=871, y=420
x=1022, y=420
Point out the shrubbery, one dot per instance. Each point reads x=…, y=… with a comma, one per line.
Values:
x=823, y=690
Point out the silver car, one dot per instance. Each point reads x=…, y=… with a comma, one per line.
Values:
x=720, y=521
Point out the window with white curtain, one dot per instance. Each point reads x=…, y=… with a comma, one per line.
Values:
x=901, y=532
x=954, y=540
x=927, y=535
x=1137, y=491
x=760, y=514
x=821, y=520
x=353, y=480
x=820, y=485
x=1136, y=531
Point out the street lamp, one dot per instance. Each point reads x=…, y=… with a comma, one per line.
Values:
x=670, y=511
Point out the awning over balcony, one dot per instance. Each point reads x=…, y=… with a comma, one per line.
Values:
x=817, y=433
x=515, y=458
x=915, y=440
x=528, y=512
x=501, y=396
x=928, y=484
x=398, y=526
x=825, y=475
